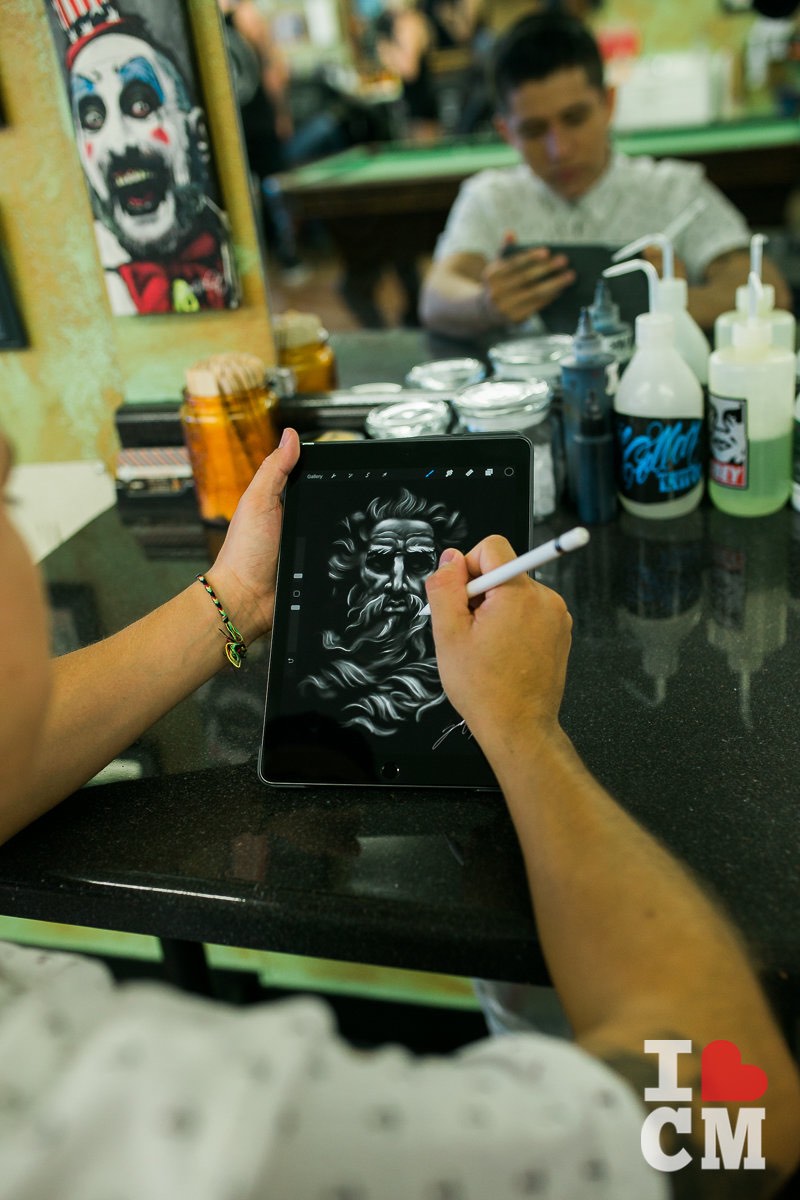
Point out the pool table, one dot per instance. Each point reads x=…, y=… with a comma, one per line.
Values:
x=386, y=203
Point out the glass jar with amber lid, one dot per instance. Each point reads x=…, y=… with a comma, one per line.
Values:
x=302, y=344
x=228, y=426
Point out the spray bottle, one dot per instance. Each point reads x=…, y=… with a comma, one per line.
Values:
x=751, y=398
x=782, y=323
x=617, y=334
x=672, y=296
x=659, y=417
x=589, y=371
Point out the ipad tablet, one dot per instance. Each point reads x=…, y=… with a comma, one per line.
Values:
x=588, y=262
x=353, y=692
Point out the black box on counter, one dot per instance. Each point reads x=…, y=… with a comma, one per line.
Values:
x=156, y=423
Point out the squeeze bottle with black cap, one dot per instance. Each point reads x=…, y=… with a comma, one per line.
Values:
x=782, y=323
x=588, y=371
x=659, y=418
x=751, y=397
x=672, y=296
x=617, y=335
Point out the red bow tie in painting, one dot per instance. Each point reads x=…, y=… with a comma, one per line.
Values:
x=190, y=280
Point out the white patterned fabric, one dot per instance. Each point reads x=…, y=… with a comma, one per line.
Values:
x=634, y=197
x=142, y=1093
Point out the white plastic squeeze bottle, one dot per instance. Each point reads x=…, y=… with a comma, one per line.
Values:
x=658, y=418
x=782, y=323
x=751, y=396
x=672, y=296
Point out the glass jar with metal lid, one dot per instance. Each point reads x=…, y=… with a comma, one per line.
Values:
x=503, y=405
x=302, y=344
x=446, y=374
x=418, y=417
x=531, y=357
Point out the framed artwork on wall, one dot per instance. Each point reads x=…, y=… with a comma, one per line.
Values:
x=143, y=143
x=12, y=330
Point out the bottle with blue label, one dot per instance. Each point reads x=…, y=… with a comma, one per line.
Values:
x=659, y=418
x=751, y=396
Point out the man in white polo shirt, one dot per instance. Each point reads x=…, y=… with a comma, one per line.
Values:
x=571, y=187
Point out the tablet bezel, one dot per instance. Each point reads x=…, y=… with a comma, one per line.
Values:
x=448, y=768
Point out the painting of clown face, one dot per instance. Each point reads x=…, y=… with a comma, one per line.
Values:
x=163, y=239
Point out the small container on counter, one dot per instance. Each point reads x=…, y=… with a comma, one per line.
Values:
x=503, y=405
x=227, y=418
x=531, y=357
x=302, y=344
x=446, y=374
x=409, y=418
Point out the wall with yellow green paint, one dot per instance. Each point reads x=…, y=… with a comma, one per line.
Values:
x=662, y=24
x=678, y=24
x=57, y=398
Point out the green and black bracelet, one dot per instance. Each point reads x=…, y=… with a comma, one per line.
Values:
x=235, y=649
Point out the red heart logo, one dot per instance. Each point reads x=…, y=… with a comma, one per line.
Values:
x=726, y=1077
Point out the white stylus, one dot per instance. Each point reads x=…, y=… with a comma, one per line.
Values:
x=573, y=539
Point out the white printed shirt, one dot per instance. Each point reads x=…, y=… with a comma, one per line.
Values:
x=143, y=1093
x=634, y=197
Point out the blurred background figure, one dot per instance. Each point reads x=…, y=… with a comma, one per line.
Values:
x=428, y=45
x=404, y=39
x=274, y=140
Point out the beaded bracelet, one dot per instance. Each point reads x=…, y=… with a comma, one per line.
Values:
x=235, y=649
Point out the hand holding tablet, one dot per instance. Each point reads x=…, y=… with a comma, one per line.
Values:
x=354, y=695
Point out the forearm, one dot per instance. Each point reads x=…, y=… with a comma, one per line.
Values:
x=635, y=948
x=456, y=306
x=105, y=696
x=622, y=924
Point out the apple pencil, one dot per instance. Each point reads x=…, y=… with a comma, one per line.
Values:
x=573, y=539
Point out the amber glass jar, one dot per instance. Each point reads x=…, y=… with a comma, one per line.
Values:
x=229, y=428
x=302, y=344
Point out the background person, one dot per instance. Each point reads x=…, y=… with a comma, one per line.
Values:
x=144, y=1094
x=571, y=186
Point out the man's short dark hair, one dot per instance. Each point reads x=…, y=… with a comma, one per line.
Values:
x=537, y=46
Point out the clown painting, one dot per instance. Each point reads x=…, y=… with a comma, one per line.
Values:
x=163, y=239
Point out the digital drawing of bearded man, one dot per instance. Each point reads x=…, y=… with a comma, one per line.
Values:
x=382, y=670
x=164, y=242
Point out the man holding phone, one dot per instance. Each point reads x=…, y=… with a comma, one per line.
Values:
x=571, y=187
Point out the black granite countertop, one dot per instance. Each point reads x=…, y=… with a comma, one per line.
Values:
x=680, y=697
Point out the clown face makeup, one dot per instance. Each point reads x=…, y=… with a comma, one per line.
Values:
x=134, y=124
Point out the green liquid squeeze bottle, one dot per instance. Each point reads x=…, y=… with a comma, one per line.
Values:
x=751, y=400
x=781, y=322
x=658, y=418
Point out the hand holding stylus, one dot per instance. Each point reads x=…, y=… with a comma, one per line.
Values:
x=573, y=539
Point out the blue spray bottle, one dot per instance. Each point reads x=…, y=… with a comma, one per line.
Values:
x=592, y=371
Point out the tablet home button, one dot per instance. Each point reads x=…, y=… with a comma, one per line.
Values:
x=389, y=770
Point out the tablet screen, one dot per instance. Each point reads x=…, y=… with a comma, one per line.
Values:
x=353, y=693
